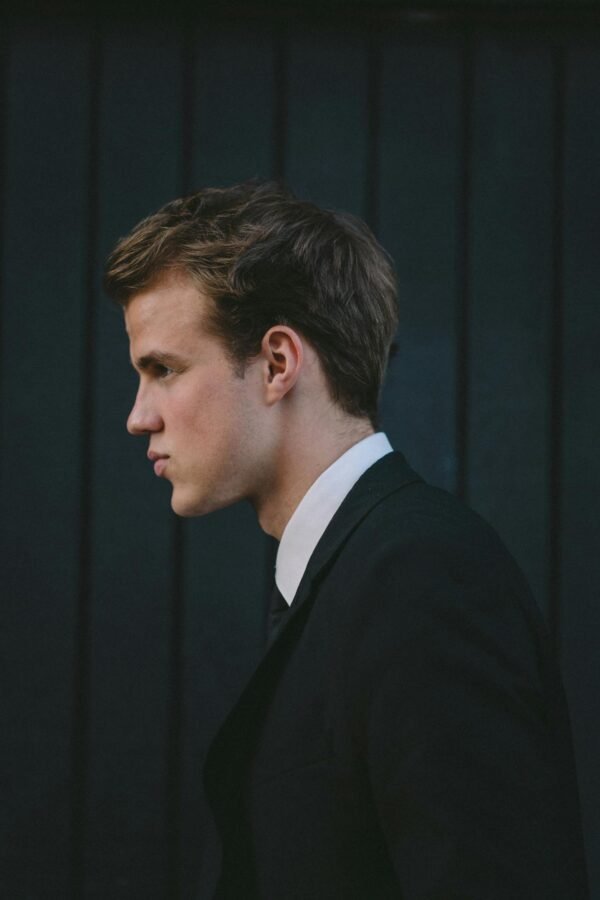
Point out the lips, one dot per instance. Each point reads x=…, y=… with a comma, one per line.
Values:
x=159, y=460
x=160, y=465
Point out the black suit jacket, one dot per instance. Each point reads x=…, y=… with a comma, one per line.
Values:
x=406, y=734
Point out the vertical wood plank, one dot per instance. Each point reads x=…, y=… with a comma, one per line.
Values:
x=132, y=529
x=43, y=291
x=510, y=315
x=419, y=195
x=580, y=485
x=326, y=139
x=225, y=553
x=233, y=107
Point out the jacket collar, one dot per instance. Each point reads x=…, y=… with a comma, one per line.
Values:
x=389, y=474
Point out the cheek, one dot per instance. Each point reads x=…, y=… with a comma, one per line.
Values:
x=208, y=413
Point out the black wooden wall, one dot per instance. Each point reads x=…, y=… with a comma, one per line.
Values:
x=473, y=148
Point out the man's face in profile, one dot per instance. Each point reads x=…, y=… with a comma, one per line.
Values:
x=203, y=421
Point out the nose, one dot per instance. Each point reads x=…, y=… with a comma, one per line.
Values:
x=143, y=418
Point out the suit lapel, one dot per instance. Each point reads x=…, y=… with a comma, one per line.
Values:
x=234, y=738
x=391, y=473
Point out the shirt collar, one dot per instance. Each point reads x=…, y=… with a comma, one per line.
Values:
x=318, y=507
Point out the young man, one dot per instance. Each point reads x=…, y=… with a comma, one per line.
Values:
x=405, y=734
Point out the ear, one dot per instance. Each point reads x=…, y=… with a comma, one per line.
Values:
x=283, y=352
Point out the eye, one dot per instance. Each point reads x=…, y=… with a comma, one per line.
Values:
x=163, y=371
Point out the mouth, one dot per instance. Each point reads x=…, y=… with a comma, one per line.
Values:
x=160, y=462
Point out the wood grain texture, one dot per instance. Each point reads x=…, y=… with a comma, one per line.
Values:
x=580, y=476
x=510, y=312
x=132, y=525
x=43, y=279
x=419, y=198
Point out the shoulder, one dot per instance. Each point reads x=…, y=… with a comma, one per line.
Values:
x=391, y=503
x=422, y=570
x=403, y=557
x=418, y=530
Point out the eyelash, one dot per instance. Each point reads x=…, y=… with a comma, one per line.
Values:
x=163, y=371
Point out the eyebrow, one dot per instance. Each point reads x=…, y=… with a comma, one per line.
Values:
x=157, y=358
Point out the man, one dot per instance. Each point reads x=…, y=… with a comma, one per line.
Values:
x=405, y=734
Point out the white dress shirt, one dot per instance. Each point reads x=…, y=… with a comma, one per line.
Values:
x=318, y=507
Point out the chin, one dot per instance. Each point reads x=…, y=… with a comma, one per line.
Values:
x=182, y=505
x=186, y=510
x=188, y=507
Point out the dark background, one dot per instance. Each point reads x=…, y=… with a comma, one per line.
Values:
x=468, y=135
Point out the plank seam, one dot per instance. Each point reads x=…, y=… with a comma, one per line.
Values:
x=280, y=72
x=373, y=132
x=463, y=260
x=556, y=361
x=81, y=707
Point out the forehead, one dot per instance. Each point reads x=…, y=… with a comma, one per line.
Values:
x=173, y=309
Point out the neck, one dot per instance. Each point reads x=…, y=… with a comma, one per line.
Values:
x=298, y=460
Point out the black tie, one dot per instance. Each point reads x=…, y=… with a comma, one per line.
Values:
x=277, y=610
